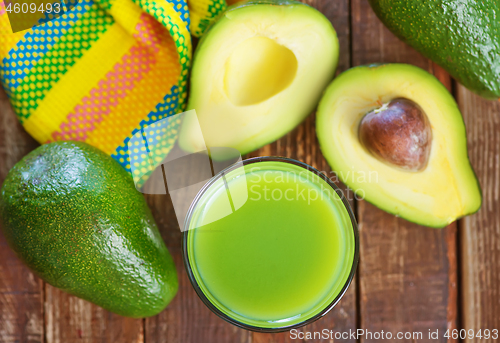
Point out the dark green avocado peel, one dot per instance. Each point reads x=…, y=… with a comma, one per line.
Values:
x=73, y=215
x=463, y=37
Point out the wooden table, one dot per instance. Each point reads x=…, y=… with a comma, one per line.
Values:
x=410, y=278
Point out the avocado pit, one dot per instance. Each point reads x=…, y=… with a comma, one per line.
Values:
x=398, y=133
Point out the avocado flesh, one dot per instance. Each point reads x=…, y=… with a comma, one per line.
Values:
x=257, y=73
x=73, y=215
x=460, y=36
x=444, y=190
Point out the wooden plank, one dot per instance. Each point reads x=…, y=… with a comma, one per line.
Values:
x=187, y=311
x=70, y=319
x=302, y=144
x=21, y=293
x=407, y=272
x=186, y=319
x=480, y=233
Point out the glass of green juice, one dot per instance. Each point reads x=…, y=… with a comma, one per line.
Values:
x=270, y=244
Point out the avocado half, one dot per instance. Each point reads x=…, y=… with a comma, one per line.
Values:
x=394, y=134
x=257, y=73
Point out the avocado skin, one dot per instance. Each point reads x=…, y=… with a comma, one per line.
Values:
x=463, y=37
x=73, y=215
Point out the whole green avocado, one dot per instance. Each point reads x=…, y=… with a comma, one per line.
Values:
x=73, y=215
x=462, y=36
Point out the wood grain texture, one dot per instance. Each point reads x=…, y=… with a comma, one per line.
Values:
x=480, y=233
x=21, y=293
x=70, y=319
x=302, y=144
x=408, y=272
x=186, y=319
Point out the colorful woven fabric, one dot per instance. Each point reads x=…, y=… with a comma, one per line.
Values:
x=203, y=13
x=103, y=71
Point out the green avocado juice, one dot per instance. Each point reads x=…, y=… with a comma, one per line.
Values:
x=281, y=254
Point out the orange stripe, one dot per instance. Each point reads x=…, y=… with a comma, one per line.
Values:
x=108, y=93
x=150, y=91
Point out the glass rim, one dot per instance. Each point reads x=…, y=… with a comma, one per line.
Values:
x=198, y=289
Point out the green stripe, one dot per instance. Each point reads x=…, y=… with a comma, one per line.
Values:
x=58, y=60
x=215, y=7
x=105, y=4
